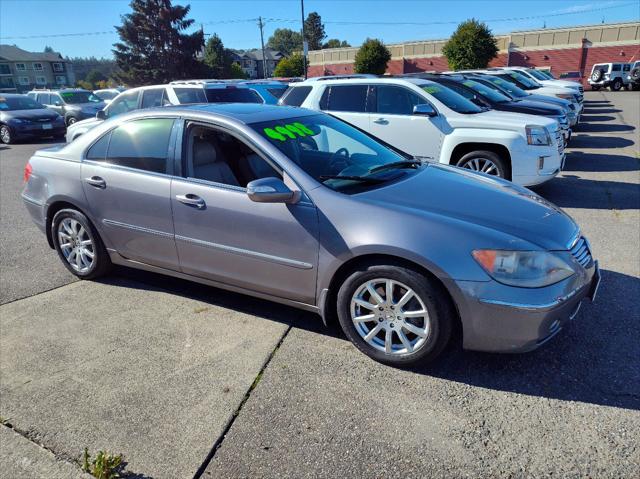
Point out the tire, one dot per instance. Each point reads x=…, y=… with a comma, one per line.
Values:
x=71, y=120
x=6, y=136
x=635, y=75
x=616, y=85
x=428, y=296
x=597, y=75
x=595, y=87
x=486, y=162
x=75, y=228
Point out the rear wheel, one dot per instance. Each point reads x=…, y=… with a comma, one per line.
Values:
x=395, y=315
x=486, y=162
x=79, y=245
x=5, y=135
x=616, y=85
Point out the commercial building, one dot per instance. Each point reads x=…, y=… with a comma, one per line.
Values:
x=561, y=50
x=21, y=71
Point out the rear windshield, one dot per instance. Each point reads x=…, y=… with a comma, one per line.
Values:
x=451, y=99
x=232, y=95
x=277, y=91
x=75, y=97
x=295, y=96
x=18, y=103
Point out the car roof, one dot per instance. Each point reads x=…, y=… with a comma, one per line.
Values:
x=366, y=81
x=246, y=113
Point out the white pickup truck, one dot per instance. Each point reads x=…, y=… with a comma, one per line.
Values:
x=434, y=123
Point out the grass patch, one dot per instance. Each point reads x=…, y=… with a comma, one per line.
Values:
x=104, y=466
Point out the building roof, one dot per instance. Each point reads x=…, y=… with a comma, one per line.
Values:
x=269, y=54
x=14, y=54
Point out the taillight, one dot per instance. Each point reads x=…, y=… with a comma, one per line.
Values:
x=28, y=169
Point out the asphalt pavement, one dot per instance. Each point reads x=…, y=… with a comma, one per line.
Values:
x=184, y=379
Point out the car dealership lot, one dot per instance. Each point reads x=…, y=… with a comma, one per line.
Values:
x=157, y=368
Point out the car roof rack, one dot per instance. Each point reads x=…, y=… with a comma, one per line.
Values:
x=196, y=81
x=342, y=77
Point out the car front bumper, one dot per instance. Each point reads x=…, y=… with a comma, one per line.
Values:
x=500, y=318
x=35, y=130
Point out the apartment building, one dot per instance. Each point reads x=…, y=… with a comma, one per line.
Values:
x=22, y=71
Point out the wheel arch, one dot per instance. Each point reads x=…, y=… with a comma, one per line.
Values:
x=328, y=307
x=53, y=208
x=463, y=148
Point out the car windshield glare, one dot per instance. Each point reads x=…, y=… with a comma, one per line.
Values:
x=451, y=99
x=76, y=97
x=527, y=82
x=490, y=93
x=509, y=87
x=334, y=153
x=18, y=103
x=537, y=74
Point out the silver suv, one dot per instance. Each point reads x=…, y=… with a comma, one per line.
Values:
x=612, y=75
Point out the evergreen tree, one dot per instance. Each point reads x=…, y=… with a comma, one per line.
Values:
x=471, y=46
x=153, y=47
x=314, y=31
x=217, y=57
x=48, y=49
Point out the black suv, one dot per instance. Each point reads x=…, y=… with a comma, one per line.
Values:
x=74, y=104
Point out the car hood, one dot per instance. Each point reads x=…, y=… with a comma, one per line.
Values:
x=480, y=200
x=85, y=124
x=39, y=114
x=531, y=107
x=548, y=99
x=89, y=106
x=561, y=83
x=499, y=120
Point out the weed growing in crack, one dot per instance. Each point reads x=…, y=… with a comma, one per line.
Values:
x=104, y=466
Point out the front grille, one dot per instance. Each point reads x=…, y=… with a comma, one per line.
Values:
x=581, y=89
x=580, y=251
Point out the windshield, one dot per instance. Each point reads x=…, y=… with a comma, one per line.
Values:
x=13, y=103
x=490, y=93
x=232, y=95
x=451, y=99
x=537, y=74
x=107, y=95
x=548, y=74
x=334, y=153
x=523, y=81
x=75, y=97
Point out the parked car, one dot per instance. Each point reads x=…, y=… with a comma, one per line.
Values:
x=487, y=97
x=434, y=123
x=22, y=117
x=611, y=75
x=540, y=77
x=176, y=93
x=518, y=94
x=324, y=218
x=108, y=94
x=269, y=91
x=74, y=104
x=634, y=76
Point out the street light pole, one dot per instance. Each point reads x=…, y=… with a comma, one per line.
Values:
x=264, y=59
x=304, y=42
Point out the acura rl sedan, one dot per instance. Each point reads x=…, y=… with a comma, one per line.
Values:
x=298, y=207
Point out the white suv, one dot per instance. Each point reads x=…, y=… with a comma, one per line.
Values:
x=434, y=123
x=612, y=75
x=544, y=80
x=176, y=93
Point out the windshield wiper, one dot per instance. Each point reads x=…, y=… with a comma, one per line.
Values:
x=396, y=164
x=363, y=179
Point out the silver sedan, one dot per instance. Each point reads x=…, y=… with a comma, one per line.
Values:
x=301, y=208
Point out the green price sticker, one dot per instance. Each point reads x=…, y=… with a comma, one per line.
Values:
x=288, y=131
x=431, y=89
x=468, y=83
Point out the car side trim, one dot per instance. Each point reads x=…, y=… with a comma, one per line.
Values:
x=28, y=199
x=141, y=229
x=245, y=252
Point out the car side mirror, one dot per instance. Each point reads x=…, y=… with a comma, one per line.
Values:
x=270, y=190
x=424, y=109
x=57, y=103
x=101, y=115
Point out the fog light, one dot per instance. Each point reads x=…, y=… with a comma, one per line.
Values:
x=541, y=163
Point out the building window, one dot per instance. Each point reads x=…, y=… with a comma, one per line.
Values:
x=24, y=80
x=7, y=83
x=4, y=69
x=41, y=80
x=21, y=67
x=61, y=79
x=37, y=67
x=57, y=67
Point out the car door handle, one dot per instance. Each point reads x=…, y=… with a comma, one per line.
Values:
x=96, y=181
x=381, y=121
x=191, y=200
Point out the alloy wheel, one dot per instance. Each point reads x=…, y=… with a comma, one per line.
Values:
x=5, y=135
x=76, y=245
x=390, y=316
x=483, y=165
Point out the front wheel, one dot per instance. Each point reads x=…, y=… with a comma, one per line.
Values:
x=71, y=120
x=616, y=85
x=486, y=162
x=78, y=245
x=5, y=135
x=395, y=315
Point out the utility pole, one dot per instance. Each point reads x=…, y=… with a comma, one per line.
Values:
x=304, y=42
x=264, y=59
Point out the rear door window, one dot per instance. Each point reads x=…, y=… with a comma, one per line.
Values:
x=44, y=98
x=295, y=96
x=141, y=144
x=348, y=98
x=152, y=98
x=190, y=95
x=395, y=100
x=616, y=68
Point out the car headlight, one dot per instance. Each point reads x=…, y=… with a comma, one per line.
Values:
x=538, y=135
x=525, y=269
x=566, y=96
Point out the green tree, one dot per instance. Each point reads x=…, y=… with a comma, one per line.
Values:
x=335, y=43
x=314, y=31
x=236, y=71
x=95, y=76
x=290, y=67
x=285, y=41
x=153, y=47
x=372, y=57
x=471, y=46
x=48, y=49
x=217, y=57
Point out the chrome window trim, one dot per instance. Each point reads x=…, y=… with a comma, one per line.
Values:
x=126, y=168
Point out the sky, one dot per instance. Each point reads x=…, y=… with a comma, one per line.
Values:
x=235, y=21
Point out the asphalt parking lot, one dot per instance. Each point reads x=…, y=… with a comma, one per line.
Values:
x=188, y=380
